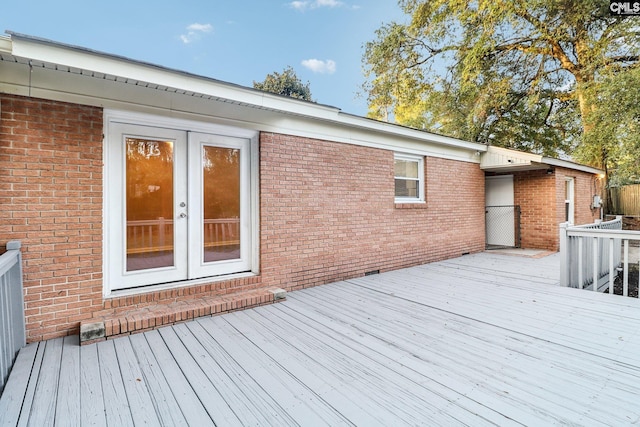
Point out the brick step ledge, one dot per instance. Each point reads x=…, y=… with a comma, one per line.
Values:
x=147, y=318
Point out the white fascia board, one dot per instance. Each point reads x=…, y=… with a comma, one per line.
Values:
x=515, y=154
x=5, y=44
x=571, y=165
x=527, y=161
x=48, y=83
x=390, y=128
x=84, y=59
x=81, y=59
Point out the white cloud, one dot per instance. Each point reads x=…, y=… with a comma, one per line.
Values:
x=318, y=66
x=195, y=32
x=299, y=5
x=329, y=3
x=314, y=4
x=205, y=28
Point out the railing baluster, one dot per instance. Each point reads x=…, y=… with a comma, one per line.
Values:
x=580, y=263
x=596, y=264
x=625, y=274
x=611, y=276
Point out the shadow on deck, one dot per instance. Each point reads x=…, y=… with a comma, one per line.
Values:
x=485, y=339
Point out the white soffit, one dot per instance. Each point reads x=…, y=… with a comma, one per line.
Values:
x=571, y=165
x=78, y=60
x=498, y=159
x=504, y=160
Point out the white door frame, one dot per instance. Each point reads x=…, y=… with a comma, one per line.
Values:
x=114, y=257
x=197, y=266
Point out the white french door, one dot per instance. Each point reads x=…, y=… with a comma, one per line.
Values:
x=219, y=200
x=178, y=205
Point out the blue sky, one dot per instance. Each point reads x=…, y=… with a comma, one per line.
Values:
x=235, y=41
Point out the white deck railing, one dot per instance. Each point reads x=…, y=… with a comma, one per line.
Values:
x=592, y=254
x=157, y=234
x=12, y=328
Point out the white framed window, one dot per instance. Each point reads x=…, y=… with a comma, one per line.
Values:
x=409, y=178
x=569, y=200
x=180, y=202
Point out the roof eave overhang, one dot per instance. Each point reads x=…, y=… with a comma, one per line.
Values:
x=499, y=159
x=523, y=167
x=571, y=165
x=114, y=67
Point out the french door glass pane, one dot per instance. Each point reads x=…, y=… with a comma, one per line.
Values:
x=221, y=203
x=149, y=203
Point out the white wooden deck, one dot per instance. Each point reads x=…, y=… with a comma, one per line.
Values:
x=485, y=339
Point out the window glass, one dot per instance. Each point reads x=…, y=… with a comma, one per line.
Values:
x=406, y=169
x=409, y=178
x=405, y=188
x=221, y=203
x=149, y=203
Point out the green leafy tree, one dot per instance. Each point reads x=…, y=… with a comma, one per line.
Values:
x=521, y=74
x=286, y=83
x=614, y=137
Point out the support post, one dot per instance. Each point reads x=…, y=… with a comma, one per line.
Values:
x=564, y=255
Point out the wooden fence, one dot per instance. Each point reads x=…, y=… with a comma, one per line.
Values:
x=12, y=328
x=625, y=200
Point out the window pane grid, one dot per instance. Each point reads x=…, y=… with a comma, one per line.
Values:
x=409, y=178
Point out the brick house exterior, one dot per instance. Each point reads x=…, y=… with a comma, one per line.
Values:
x=341, y=223
x=324, y=206
x=540, y=191
x=536, y=191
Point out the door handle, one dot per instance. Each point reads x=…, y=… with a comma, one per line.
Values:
x=182, y=215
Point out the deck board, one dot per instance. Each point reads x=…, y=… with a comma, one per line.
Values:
x=43, y=408
x=458, y=352
x=334, y=387
x=190, y=404
x=165, y=404
x=117, y=409
x=92, y=407
x=294, y=396
x=484, y=339
x=136, y=387
x=208, y=391
x=16, y=389
x=67, y=407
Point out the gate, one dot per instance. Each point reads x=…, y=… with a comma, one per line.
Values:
x=502, y=226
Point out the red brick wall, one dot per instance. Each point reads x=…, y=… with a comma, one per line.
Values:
x=328, y=212
x=586, y=186
x=535, y=193
x=51, y=200
x=541, y=198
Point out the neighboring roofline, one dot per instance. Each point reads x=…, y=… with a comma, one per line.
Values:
x=52, y=52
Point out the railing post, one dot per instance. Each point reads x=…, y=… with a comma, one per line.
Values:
x=564, y=255
x=12, y=322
